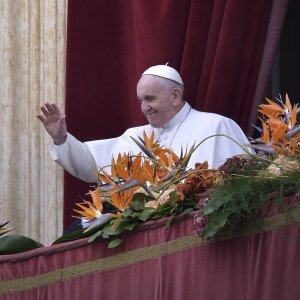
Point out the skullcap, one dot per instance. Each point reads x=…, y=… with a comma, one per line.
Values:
x=165, y=72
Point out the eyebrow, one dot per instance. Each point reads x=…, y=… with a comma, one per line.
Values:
x=149, y=97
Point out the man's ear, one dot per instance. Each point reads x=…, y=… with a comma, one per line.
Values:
x=176, y=96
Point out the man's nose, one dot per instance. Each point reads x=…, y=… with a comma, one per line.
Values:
x=145, y=106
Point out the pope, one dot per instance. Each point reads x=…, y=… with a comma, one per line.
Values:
x=176, y=126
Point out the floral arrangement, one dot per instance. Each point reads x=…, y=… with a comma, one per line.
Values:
x=141, y=187
x=155, y=183
x=250, y=183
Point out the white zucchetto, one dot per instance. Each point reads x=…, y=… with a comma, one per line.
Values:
x=165, y=72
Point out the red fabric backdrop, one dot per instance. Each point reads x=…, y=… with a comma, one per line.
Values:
x=216, y=45
x=163, y=263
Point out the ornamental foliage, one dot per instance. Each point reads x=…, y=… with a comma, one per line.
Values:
x=155, y=183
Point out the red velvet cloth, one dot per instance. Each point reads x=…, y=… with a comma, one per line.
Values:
x=216, y=46
x=260, y=266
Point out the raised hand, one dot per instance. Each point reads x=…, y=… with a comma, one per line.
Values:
x=54, y=122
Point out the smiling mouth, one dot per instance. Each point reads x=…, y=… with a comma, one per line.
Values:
x=150, y=114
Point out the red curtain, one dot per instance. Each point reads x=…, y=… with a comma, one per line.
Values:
x=216, y=45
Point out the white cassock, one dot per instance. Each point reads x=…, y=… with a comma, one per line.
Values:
x=186, y=128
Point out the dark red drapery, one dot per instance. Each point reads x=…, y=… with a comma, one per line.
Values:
x=259, y=262
x=216, y=45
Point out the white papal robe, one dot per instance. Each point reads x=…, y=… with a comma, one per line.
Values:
x=186, y=128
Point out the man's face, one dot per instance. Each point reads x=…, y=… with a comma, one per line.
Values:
x=158, y=103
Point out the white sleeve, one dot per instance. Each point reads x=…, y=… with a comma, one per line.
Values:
x=75, y=157
x=225, y=147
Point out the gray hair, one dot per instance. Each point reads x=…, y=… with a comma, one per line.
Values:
x=171, y=84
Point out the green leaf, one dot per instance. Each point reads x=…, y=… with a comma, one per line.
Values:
x=138, y=202
x=215, y=225
x=94, y=236
x=127, y=212
x=188, y=210
x=129, y=226
x=11, y=244
x=105, y=235
x=209, y=230
x=162, y=211
x=220, y=221
x=214, y=204
x=114, y=243
x=114, y=231
x=71, y=236
x=145, y=214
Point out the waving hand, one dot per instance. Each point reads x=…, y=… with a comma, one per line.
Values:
x=54, y=122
